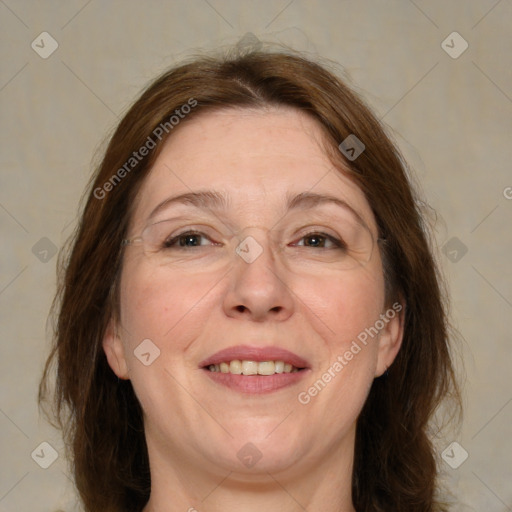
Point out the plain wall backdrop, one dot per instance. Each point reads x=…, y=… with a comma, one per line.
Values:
x=449, y=108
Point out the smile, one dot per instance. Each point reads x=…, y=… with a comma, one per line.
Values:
x=237, y=367
x=250, y=369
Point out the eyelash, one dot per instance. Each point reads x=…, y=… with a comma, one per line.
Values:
x=170, y=244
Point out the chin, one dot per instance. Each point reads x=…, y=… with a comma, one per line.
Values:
x=252, y=459
x=264, y=450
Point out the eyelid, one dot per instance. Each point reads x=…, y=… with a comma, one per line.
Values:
x=178, y=226
x=195, y=217
x=334, y=239
x=327, y=228
x=192, y=232
x=197, y=224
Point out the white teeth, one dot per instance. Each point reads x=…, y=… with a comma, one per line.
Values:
x=235, y=367
x=279, y=366
x=246, y=367
x=266, y=368
x=249, y=367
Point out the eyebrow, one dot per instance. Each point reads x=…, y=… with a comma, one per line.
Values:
x=212, y=200
x=306, y=200
x=204, y=200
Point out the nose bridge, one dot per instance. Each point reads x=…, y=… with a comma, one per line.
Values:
x=253, y=242
x=254, y=230
x=257, y=290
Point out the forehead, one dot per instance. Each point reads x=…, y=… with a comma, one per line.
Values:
x=257, y=158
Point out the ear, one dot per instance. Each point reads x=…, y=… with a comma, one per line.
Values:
x=114, y=350
x=390, y=337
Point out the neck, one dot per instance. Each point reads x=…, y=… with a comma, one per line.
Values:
x=179, y=484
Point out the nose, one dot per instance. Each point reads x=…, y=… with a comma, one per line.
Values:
x=258, y=290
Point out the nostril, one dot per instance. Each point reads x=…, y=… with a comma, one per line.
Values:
x=276, y=309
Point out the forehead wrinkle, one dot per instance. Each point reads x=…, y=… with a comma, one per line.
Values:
x=217, y=201
x=308, y=200
x=203, y=199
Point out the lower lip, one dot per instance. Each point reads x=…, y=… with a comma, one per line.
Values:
x=257, y=384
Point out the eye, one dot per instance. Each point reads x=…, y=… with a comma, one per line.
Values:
x=320, y=240
x=187, y=239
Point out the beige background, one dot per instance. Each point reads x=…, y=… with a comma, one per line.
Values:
x=451, y=117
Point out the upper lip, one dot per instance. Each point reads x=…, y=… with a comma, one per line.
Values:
x=252, y=353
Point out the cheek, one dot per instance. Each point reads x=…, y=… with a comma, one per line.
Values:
x=343, y=310
x=170, y=309
x=156, y=301
x=343, y=305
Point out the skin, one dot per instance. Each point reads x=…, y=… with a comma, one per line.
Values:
x=197, y=305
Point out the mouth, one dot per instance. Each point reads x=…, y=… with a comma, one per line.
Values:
x=255, y=370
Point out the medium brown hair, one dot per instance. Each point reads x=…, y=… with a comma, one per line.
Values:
x=395, y=466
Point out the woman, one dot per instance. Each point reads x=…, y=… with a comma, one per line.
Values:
x=250, y=316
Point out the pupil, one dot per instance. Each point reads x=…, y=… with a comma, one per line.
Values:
x=315, y=240
x=189, y=238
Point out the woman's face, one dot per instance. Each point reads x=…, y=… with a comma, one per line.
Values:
x=257, y=281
